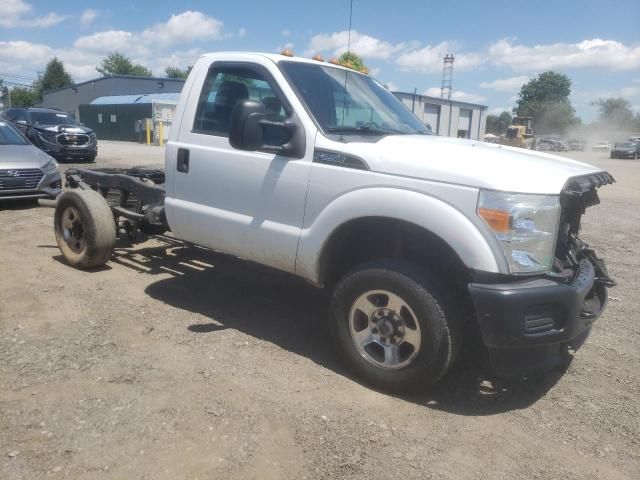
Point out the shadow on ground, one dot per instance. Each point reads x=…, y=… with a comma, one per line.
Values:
x=279, y=308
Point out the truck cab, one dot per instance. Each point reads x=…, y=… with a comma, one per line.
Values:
x=318, y=170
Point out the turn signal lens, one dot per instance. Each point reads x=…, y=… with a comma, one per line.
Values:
x=496, y=219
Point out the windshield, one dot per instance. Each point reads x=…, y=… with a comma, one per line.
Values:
x=51, y=118
x=345, y=102
x=10, y=136
x=626, y=145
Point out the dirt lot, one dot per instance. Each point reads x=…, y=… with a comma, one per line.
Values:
x=176, y=363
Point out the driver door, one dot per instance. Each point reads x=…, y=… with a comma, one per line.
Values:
x=245, y=203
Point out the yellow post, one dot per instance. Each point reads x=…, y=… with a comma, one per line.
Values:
x=148, y=132
x=161, y=132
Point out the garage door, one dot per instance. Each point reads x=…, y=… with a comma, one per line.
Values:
x=464, y=123
x=432, y=116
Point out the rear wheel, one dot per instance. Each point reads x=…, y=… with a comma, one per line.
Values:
x=84, y=228
x=394, y=327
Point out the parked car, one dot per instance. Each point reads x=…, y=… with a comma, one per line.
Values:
x=601, y=147
x=626, y=150
x=422, y=240
x=25, y=171
x=55, y=132
x=576, y=145
x=552, y=144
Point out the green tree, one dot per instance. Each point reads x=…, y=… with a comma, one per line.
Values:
x=354, y=61
x=23, y=97
x=615, y=111
x=546, y=99
x=117, y=64
x=176, y=72
x=497, y=124
x=55, y=76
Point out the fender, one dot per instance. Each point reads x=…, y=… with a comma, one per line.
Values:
x=424, y=211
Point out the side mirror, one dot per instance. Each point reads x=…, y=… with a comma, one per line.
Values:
x=21, y=122
x=247, y=130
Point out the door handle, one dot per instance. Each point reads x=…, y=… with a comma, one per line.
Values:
x=182, y=164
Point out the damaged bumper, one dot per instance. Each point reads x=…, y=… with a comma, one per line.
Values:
x=527, y=326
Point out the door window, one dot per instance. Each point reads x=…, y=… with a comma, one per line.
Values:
x=223, y=88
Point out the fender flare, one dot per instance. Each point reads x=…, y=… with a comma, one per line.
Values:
x=430, y=213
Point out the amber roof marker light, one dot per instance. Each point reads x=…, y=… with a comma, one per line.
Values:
x=287, y=52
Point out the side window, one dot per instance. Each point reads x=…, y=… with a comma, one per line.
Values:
x=223, y=88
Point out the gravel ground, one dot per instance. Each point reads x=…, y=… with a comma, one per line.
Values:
x=176, y=363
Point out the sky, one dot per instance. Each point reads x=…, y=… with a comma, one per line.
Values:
x=499, y=45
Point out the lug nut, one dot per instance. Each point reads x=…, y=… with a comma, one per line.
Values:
x=374, y=330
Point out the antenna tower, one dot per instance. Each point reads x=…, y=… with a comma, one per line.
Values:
x=447, y=76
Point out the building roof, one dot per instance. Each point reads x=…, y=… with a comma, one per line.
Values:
x=109, y=77
x=440, y=101
x=140, y=98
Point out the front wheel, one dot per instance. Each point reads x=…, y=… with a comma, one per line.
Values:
x=395, y=329
x=84, y=228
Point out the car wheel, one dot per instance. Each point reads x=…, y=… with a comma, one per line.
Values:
x=84, y=228
x=91, y=158
x=394, y=327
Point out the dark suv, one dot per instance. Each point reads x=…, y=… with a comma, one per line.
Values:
x=55, y=132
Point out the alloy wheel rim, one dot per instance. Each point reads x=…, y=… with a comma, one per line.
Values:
x=384, y=329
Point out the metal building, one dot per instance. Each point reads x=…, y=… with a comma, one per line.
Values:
x=125, y=117
x=449, y=118
x=69, y=99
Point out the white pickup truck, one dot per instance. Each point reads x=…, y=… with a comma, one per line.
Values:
x=318, y=170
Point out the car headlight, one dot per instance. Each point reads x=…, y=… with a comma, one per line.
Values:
x=525, y=225
x=49, y=137
x=50, y=166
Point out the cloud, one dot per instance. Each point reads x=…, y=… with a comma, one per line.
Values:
x=509, y=85
x=242, y=32
x=153, y=47
x=364, y=45
x=88, y=17
x=595, y=53
x=107, y=41
x=456, y=95
x=14, y=14
x=185, y=27
x=429, y=59
x=286, y=33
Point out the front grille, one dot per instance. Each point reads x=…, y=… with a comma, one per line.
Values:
x=73, y=139
x=20, y=178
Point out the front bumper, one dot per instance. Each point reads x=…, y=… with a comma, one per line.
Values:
x=50, y=186
x=622, y=154
x=64, y=152
x=528, y=325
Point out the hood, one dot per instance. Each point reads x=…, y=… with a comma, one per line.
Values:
x=65, y=128
x=471, y=163
x=22, y=156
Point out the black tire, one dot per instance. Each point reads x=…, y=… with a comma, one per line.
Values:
x=91, y=158
x=84, y=228
x=438, y=318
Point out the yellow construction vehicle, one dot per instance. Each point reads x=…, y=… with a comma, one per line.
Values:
x=519, y=134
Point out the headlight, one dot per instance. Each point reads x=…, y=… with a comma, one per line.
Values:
x=50, y=166
x=49, y=137
x=525, y=225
